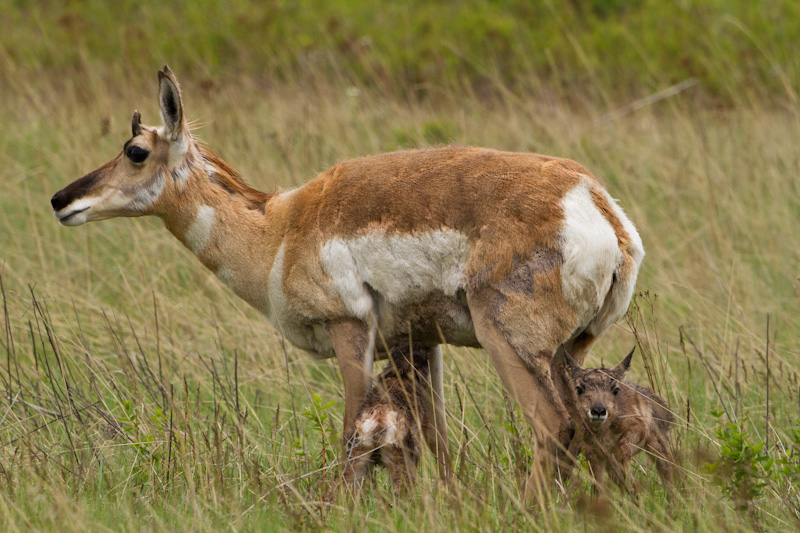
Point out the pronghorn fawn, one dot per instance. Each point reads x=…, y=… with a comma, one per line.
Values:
x=388, y=425
x=614, y=420
x=521, y=254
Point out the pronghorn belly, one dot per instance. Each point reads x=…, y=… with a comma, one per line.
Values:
x=433, y=319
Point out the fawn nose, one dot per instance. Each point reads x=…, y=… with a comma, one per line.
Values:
x=57, y=201
x=597, y=412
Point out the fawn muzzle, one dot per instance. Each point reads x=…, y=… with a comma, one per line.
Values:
x=598, y=414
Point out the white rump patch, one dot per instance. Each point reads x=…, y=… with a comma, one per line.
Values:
x=636, y=248
x=400, y=267
x=199, y=233
x=591, y=253
x=617, y=300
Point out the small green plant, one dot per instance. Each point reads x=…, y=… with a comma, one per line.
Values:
x=744, y=468
x=318, y=416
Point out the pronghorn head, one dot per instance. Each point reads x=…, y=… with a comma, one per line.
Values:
x=129, y=185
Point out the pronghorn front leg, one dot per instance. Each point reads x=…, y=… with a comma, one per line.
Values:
x=354, y=344
x=436, y=432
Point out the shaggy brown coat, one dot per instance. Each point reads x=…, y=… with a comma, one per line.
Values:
x=388, y=426
x=615, y=420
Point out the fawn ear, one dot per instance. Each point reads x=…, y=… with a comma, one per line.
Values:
x=571, y=365
x=622, y=368
x=169, y=100
x=136, y=123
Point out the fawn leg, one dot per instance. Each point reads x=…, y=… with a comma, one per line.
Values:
x=402, y=468
x=597, y=465
x=355, y=467
x=658, y=446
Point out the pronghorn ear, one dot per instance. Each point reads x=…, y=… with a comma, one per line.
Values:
x=136, y=123
x=169, y=99
x=571, y=365
x=622, y=368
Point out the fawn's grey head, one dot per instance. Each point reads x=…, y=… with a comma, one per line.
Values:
x=596, y=390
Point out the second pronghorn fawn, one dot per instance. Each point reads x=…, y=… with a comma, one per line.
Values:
x=615, y=420
x=388, y=425
x=525, y=255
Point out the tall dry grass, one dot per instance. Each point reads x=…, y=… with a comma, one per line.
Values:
x=139, y=393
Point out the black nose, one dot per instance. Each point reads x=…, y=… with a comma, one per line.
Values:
x=598, y=411
x=57, y=201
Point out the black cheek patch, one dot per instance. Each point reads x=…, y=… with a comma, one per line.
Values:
x=78, y=188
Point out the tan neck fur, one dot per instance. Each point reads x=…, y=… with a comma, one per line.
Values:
x=216, y=217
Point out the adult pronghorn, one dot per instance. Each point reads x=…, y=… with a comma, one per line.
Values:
x=521, y=254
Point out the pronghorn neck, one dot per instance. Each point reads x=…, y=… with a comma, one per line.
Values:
x=218, y=217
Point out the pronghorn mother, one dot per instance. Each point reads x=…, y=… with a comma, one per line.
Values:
x=521, y=254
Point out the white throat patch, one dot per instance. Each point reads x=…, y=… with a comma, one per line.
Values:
x=199, y=233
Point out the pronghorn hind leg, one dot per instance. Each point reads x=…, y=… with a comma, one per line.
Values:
x=520, y=340
x=354, y=343
x=578, y=348
x=436, y=429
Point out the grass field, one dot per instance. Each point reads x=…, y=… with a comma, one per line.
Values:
x=140, y=394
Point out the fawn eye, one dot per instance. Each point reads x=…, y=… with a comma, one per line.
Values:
x=137, y=154
x=615, y=391
x=579, y=389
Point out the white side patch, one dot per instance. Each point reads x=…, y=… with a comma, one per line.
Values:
x=199, y=233
x=591, y=253
x=400, y=267
x=226, y=276
x=339, y=263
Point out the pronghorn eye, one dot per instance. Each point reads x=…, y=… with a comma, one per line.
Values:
x=137, y=154
x=579, y=389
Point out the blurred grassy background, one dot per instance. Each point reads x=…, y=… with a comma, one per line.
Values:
x=122, y=355
x=597, y=50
